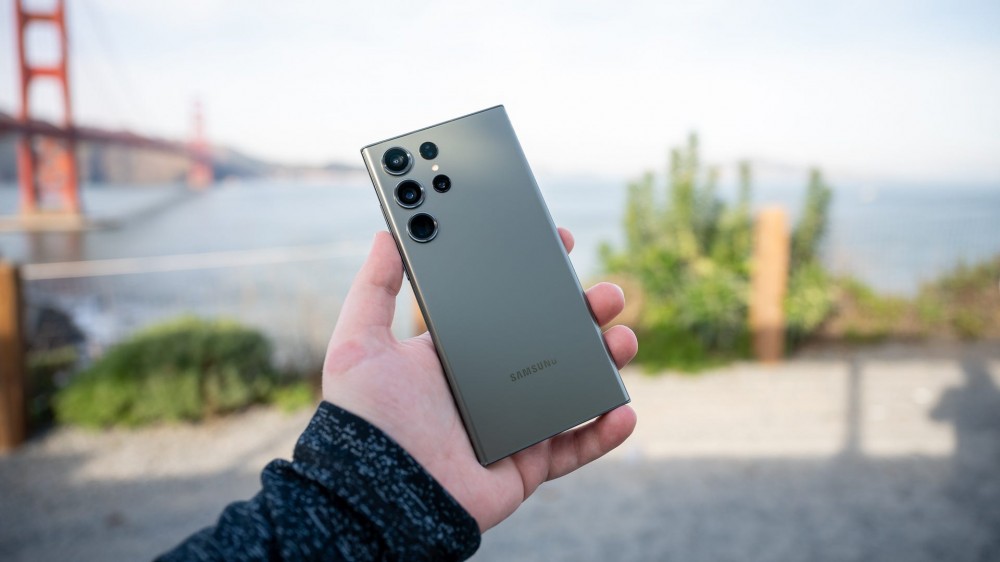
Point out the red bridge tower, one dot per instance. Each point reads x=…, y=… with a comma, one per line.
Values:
x=48, y=168
x=200, y=174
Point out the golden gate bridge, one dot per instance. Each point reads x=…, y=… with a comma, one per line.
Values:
x=48, y=175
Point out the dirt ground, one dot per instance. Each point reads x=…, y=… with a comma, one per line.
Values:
x=883, y=453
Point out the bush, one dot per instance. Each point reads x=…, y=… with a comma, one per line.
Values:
x=964, y=301
x=809, y=301
x=865, y=316
x=294, y=396
x=690, y=253
x=44, y=368
x=185, y=369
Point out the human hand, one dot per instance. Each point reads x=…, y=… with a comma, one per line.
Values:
x=399, y=387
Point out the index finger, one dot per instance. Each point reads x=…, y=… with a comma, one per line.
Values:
x=567, y=239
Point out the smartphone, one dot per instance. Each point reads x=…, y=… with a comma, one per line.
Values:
x=523, y=355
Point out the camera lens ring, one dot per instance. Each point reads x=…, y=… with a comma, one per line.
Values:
x=441, y=183
x=419, y=231
x=397, y=161
x=405, y=187
x=428, y=150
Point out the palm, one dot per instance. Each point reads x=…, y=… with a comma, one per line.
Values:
x=399, y=386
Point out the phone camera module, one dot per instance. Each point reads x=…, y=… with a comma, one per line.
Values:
x=422, y=227
x=429, y=150
x=397, y=161
x=409, y=194
x=442, y=183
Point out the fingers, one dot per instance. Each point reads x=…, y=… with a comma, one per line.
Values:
x=371, y=301
x=622, y=343
x=573, y=449
x=567, y=239
x=606, y=301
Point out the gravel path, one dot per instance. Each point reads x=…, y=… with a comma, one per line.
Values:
x=891, y=453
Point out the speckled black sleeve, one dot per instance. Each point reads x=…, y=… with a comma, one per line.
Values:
x=350, y=493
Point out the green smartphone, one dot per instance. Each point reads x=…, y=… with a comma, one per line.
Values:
x=523, y=355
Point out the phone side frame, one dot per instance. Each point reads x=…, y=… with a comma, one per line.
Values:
x=453, y=386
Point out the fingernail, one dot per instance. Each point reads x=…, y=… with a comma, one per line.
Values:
x=620, y=290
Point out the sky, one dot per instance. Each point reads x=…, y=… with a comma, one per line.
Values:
x=890, y=91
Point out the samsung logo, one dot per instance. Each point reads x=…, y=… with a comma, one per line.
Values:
x=532, y=369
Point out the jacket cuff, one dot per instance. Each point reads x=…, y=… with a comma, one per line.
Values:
x=374, y=475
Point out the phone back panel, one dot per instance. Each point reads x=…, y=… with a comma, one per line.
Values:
x=519, y=346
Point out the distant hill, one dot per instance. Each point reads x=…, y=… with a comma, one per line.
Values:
x=230, y=163
x=100, y=162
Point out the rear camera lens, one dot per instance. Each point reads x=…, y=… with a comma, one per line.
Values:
x=429, y=150
x=397, y=161
x=442, y=183
x=422, y=227
x=409, y=194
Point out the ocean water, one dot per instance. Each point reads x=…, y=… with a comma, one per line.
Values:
x=897, y=237
x=894, y=238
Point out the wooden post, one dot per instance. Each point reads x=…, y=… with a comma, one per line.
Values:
x=13, y=420
x=768, y=283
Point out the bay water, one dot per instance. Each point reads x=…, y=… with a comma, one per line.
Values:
x=893, y=238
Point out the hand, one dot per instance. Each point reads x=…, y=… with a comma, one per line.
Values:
x=399, y=387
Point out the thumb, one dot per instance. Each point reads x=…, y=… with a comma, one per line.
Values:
x=371, y=301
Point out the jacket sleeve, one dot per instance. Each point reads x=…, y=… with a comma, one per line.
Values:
x=350, y=493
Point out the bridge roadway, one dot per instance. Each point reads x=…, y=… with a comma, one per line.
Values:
x=12, y=125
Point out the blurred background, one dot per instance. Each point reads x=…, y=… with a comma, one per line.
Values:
x=801, y=200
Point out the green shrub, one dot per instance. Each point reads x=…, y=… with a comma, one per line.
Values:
x=966, y=280
x=185, y=369
x=930, y=310
x=812, y=224
x=865, y=316
x=810, y=297
x=294, y=396
x=963, y=303
x=690, y=254
x=809, y=301
x=968, y=324
x=44, y=366
x=964, y=300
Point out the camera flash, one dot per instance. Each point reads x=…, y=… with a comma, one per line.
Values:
x=434, y=168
